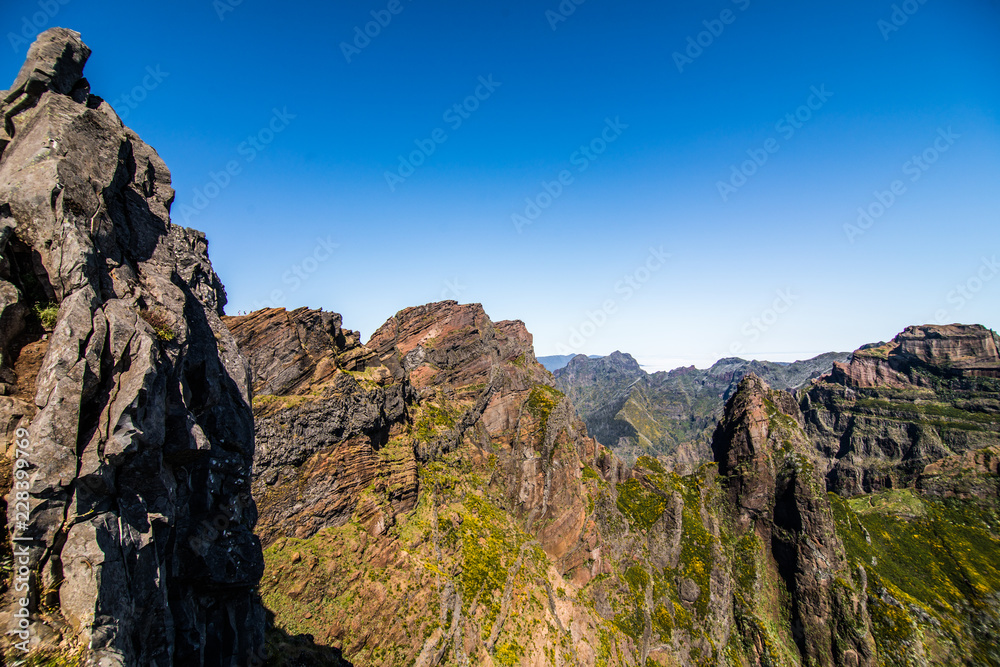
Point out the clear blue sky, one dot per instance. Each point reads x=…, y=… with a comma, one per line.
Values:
x=888, y=92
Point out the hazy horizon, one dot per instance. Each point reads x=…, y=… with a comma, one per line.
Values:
x=684, y=183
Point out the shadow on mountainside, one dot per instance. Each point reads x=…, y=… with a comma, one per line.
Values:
x=285, y=650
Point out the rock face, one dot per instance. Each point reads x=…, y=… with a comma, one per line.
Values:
x=787, y=537
x=952, y=351
x=324, y=423
x=426, y=488
x=668, y=414
x=133, y=393
x=931, y=393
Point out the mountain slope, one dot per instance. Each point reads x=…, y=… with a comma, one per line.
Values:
x=475, y=522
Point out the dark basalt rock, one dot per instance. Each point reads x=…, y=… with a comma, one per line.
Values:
x=140, y=425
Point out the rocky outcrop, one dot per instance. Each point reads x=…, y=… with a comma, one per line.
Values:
x=786, y=534
x=668, y=414
x=133, y=395
x=898, y=407
x=438, y=502
x=922, y=355
x=426, y=491
x=478, y=523
x=325, y=424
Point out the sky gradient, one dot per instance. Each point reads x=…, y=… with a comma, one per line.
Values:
x=681, y=181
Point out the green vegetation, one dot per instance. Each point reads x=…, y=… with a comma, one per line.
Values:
x=508, y=654
x=47, y=314
x=696, y=544
x=489, y=547
x=160, y=322
x=632, y=620
x=434, y=420
x=541, y=402
x=933, y=574
x=649, y=463
x=642, y=506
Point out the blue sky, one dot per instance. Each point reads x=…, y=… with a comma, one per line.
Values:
x=624, y=176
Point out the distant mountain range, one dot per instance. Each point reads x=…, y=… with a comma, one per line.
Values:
x=670, y=414
x=555, y=362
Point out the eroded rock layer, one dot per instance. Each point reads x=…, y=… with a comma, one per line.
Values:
x=931, y=393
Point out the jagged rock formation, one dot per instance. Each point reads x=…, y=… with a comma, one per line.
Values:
x=133, y=393
x=432, y=489
x=931, y=393
x=324, y=424
x=430, y=497
x=476, y=523
x=787, y=539
x=672, y=414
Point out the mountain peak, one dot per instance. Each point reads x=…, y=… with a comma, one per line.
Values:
x=55, y=62
x=952, y=350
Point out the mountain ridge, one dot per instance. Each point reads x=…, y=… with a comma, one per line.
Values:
x=668, y=413
x=267, y=488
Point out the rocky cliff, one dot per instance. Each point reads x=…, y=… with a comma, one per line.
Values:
x=932, y=392
x=797, y=598
x=437, y=501
x=668, y=414
x=907, y=435
x=126, y=403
